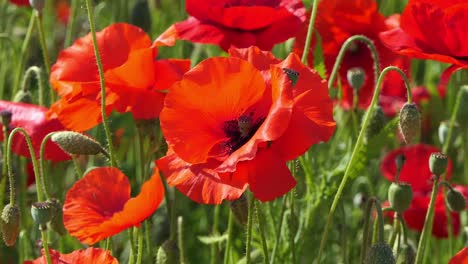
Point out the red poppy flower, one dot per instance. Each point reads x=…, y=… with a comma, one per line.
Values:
x=62, y=10
x=34, y=120
x=337, y=21
x=245, y=124
x=135, y=80
x=239, y=23
x=82, y=256
x=99, y=205
x=415, y=171
x=20, y=2
x=461, y=257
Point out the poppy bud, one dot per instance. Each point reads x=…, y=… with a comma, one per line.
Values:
x=356, y=77
x=376, y=123
x=168, y=253
x=410, y=122
x=10, y=224
x=56, y=223
x=406, y=255
x=400, y=161
x=400, y=196
x=443, y=132
x=77, y=143
x=455, y=201
x=141, y=16
x=438, y=163
x=41, y=213
x=23, y=97
x=240, y=209
x=380, y=253
x=37, y=4
x=6, y=117
x=462, y=114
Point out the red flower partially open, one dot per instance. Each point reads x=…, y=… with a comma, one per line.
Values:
x=99, y=205
x=82, y=256
x=239, y=23
x=33, y=119
x=247, y=118
x=135, y=80
x=461, y=257
x=337, y=21
x=415, y=171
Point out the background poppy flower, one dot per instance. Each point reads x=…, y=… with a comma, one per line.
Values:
x=461, y=257
x=135, y=80
x=239, y=23
x=337, y=21
x=416, y=169
x=245, y=126
x=20, y=2
x=34, y=120
x=99, y=205
x=82, y=256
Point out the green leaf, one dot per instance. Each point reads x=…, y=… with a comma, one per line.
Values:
x=377, y=142
x=208, y=240
x=319, y=61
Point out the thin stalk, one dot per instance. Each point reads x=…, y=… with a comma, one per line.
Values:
x=356, y=150
x=453, y=117
x=77, y=167
x=261, y=227
x=404, y=228
x=343, y=235
x=102, y=83
x=42, y=40
x=310, y=31
x=45, y=244
x=214, y=231
x=366, y=230
x=180, y=239
x=227, y=252
x=140, y=246
x=278, y=232
x=249, y=230
x=291, y=233
x=40, y=81
x=75, y=4
x=22, y=59
x=42, y=163
x=133, y=249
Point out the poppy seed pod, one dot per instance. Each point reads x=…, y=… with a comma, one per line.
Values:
x=56, y=223
x=240, y=210
x=10, y=224
x=42, y=212
x=37, y=4
x=462, y=114
x=444, y=129
x=400, y=196
x=455, y=201
x=438, y=163
x=168, y=253
x=23, y=97
x=410, y=122
x=406, y=255
x=377, y=122
x=356, y=78
x=77, y=143
x=380, y=253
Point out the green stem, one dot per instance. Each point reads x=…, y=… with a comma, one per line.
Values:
x=23, y=53
x=366, y=230
x=278, y=232
x=133, y=248
x=352, y=160
x=45, y=244
x=42, y=163
x=227, y=252
x=261, y=227
x=42, y=40
x=427, y=229
x=249, y=230
x=310, y=31
x=214, y=231
x=102, y=83
x=71, y=22
x=40, y=81
x=180, y=239
x=404, y=228
x=292, y=227
x=140, y=246
x=77, y=167
x=343, y=235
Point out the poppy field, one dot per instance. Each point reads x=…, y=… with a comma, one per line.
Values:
x=234, y=131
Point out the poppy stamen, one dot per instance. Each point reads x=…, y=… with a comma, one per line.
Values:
x=240, y=130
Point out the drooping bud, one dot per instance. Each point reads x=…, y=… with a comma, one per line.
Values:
x=141, y=16
x=462, y=114
x=168, y=253
x=56, y=223
x=77, y=143
x=42, y=213
x=10, y=224
x=380, y=253
x=407, y=255
x=240, y=210
x=23, y=97
x=410, y=122
x=37, y=4
x=400, y=196
x=376, y=122
x=444, y=129
x=6, y=118
x=356, y=78
x=455, y=201
x=438, y=163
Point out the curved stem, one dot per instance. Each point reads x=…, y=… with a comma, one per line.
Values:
x=249, y=230
x=227, y=252
x=24, y=47
x=352, y=160
x=38, y=74
x=42, y=162
x=102, y=83
x=310, y=31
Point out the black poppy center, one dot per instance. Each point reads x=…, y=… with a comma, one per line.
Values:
x=240, y=130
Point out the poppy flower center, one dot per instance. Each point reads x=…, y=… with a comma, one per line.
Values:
x=240, y=130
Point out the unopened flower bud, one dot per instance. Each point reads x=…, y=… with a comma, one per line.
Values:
x=410, y=122
x=438, y=163
x=455, y=201
x=6, y=117
x=376, y=122
x=400, y=196
x=41, y=213
x=407, y=255
x=23, y=97
x=400, y=161
x=380, y=253
x=462, y=114
x=141, y=16
x=168, y=253
x=37, y=4
x=356, y=78
x=240, y=210
x=444, y=129
x=56, y=223
x=10, y=224
x=77, y=143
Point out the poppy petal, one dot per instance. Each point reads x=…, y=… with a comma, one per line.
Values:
x=82, y=256
x=461, y=257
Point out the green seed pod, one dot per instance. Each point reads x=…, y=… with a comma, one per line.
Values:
x=42, y=213
x=77, y=143
x=462, y=114
x=168, y=253
x=23, y=97
x=455, y=201
x=438, y=163
x=410, y=122
x=443, y=132
x=400, y=196
x=380, y=253
x=56, y=223
x=240, y=210
x=407, y=255
x=141, y=16
x=376, y=123
x=356, y=78
x=10, y=224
